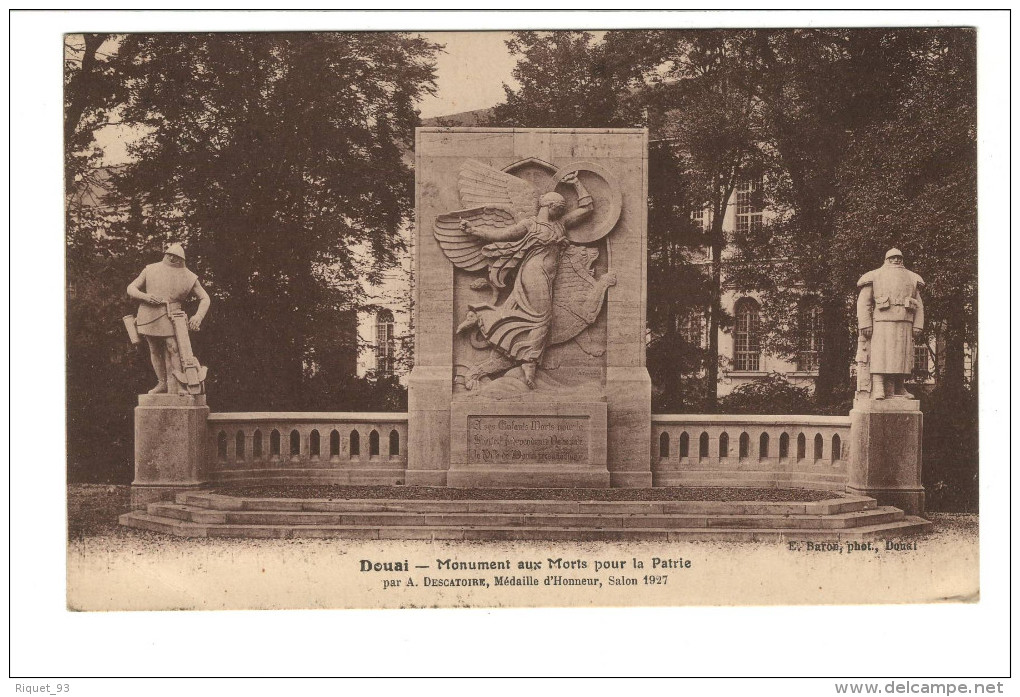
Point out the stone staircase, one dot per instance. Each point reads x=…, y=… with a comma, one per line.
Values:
x=208, y=514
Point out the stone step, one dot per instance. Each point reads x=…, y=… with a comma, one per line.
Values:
x=667, y=521
x=846, y=504
x=907, y=526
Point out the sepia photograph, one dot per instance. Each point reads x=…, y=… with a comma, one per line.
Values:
x=655, y=316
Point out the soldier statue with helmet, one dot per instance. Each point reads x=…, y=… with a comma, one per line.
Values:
x=162, y=288
x=890, y=314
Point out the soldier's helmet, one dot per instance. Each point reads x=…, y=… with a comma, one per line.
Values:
x=893, y=253
x=176, y=249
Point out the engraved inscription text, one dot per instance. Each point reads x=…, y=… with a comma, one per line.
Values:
x=528, y=439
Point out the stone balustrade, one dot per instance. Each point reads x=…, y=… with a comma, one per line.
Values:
x=765, y=451
x=371, y=448
x=307, y=447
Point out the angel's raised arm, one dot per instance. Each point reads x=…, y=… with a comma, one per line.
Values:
x=493, y=234
x=585, y=203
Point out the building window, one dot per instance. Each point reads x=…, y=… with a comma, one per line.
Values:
x=701, y=219
x=811, y=336
x=921, y=365
x=384, y=343
x=746, y=336
x=749, y=206
x=692, y=328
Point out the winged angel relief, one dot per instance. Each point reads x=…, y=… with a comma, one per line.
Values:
x=518, y=234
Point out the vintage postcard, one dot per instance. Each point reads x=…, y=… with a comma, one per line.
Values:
x=570, y=318
x=543, y=340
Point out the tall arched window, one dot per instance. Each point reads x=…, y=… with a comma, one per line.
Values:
x=811, y=335
x=691, y=327
x=747, y=336
x=922, y=367
x=384, y=343
x=749, y=205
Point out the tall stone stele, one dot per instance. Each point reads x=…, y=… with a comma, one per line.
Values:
x=886, y=421
x=170, y=420
x=530, y=278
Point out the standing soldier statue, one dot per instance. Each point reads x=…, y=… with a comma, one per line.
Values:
x=162, y=288
x=889, y=315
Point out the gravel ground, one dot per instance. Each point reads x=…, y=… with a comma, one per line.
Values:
x=110, y=567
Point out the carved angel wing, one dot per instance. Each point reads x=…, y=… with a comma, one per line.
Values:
x=482, y=185
x=463, y=248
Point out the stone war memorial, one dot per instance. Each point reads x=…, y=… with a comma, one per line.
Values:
x=530, y=292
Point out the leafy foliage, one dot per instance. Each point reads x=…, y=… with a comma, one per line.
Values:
x=93, y=88
x=950, y=448
x=567, y=80
x=845, y=110
x=911, y=182
x=279, y=161
x=679, y=289
x=773, y=394
x=694, y=88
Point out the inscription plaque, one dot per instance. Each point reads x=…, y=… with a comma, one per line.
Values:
x=528, y=439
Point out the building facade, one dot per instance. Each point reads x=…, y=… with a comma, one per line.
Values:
x=741, y=354
x=384, y=332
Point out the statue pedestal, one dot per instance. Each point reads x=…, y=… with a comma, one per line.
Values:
x=885, y=452
x=170, y=441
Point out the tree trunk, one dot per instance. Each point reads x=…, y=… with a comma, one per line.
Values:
x=834, y=359
x=715, y=313
x=76, y=109
x=953, y=377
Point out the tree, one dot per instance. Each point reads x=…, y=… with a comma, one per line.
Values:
x=678, y=288
x=911, y=182
x=567, y=80
x=693, y=85
x=279, y=160
x=98, y=357
x=818, y=87
x=93, y=88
